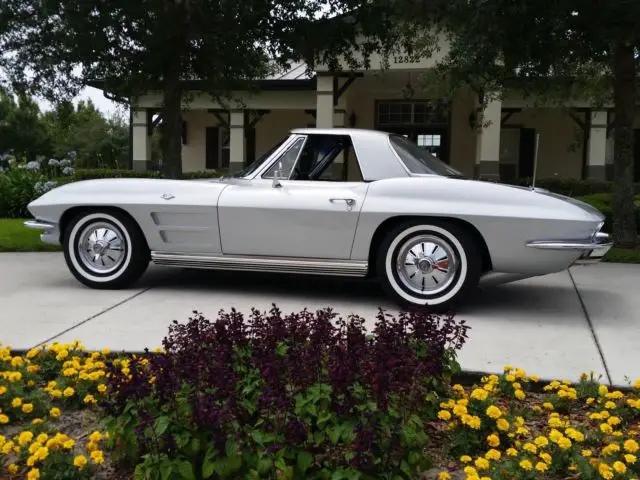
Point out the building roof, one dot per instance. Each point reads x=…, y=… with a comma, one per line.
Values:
x=297, y=71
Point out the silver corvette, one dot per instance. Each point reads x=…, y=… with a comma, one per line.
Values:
x=343, y=202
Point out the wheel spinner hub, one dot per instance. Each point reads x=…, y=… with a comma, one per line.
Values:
x=427, y=264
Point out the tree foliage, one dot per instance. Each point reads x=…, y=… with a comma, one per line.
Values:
x=28, y=133
x=559, y=51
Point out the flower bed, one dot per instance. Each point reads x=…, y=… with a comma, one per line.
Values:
x=306, y=395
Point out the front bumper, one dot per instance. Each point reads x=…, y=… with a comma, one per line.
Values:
x=49, y=235
x=593, y=250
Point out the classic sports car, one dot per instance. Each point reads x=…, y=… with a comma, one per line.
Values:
x=345, y=202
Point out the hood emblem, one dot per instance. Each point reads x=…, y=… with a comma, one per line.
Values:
x=167, y=196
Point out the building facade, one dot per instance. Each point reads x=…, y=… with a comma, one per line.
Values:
x=575, y=141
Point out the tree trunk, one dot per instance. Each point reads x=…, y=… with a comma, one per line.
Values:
x=171, y=127
x=624, y=220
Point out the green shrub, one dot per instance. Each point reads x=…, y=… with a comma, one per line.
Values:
x=604, y=203
x=18, y=187
x=571, y=187
x=95, y=173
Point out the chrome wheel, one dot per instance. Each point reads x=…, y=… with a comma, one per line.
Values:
x=427, y=264
x=101, y=247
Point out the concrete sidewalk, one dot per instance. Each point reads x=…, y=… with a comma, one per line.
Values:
x=556, y=326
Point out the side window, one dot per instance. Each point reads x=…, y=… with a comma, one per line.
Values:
x=329, y=158
x=287, y=159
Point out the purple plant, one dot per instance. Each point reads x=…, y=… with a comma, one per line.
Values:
x=272, y=380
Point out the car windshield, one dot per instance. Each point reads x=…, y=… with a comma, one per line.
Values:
x=420, y=161
x=253, y=166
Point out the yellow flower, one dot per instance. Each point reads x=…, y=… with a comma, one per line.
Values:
x=502, y=424
x=564, y=443
x=12, y=469
x=520, y=395
x=24, y=438
x=542, y=467
x=614, y=421
x=548, y=405
x=479, y=394
x=605, y=471
x=534, y=378
x=541, y=441
x=33, y=368
x=493, y=454
x=610, y=405
x=42, y=438
x=69, y=444
x=33, y=474
x=603, y=390
x=606, y=428
x=97, y=457
x=444, y=415
x=55, y=412
x=90, y=399
x=631, y=446
x=3, y=419
x=3, y=389
x=555, y=422
x=526, y=465
x=510, y=378
x=530, y=447
x=630, y=458
x=32, y=353
x=444, y=476
x=460, y=410
x=546, y=457
x=95, y=437
x=493, y=440
x=102, y=388
x=16, y=402
x=619, y=467
x=481, y=463
x=80, y=461
x=493, y=412
x=41, y=453
x=68, y=392
x=512, y=452
x=27, y=407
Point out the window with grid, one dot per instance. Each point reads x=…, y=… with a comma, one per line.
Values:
x=412, y=113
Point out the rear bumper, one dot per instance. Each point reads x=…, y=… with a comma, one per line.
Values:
x=592, y=250
x=50, y=232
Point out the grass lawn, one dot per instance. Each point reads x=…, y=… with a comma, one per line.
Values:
x=15, y=237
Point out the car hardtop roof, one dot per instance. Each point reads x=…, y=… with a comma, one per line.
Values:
x=340, y=131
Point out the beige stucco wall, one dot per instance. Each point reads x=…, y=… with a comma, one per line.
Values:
x=274, y=126
x=560, y=149
x=193, y=153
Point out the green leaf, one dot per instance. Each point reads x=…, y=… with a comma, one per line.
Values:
x=185, y=469
x=305, y=459
x=161, y=425
x=208, y=463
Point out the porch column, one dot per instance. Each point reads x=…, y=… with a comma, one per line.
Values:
x=324, y=102
x=597, y=153
x=488, y=142
x=236, y=140
x=141, y=141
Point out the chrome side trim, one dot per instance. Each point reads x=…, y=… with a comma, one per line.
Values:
x=37, y=224
x=593, y=249
x=311, y=266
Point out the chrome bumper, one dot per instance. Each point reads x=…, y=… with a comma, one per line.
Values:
x=592, y=250
x=50, y=233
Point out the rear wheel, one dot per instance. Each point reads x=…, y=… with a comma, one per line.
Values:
x=432, y=264
x=105, y=250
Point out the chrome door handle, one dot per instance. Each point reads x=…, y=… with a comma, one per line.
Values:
x=349, y=201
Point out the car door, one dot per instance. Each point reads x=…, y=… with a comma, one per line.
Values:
x=309, y=218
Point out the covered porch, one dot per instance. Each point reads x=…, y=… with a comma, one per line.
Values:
x=575, y=141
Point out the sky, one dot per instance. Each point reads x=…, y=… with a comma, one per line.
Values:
x=106, y=106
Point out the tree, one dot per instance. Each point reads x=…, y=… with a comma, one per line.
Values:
x=21, y=131
x=563, y=49
x=58, y=46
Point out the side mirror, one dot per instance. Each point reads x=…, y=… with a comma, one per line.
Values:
x=276, y=176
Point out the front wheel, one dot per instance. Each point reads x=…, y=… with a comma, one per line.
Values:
x=105, y=249
x=432, y=264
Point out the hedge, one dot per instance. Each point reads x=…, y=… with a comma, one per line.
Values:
x=604, y=203
x=571, y=187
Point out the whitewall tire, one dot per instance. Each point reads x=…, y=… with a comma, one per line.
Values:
x=105, y=249
x=429, y=263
